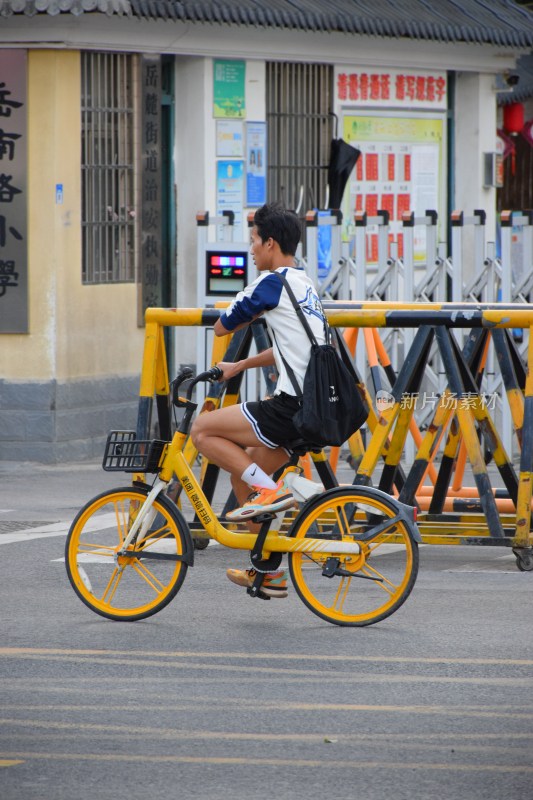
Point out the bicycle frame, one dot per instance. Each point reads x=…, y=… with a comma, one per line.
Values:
x=175, y=463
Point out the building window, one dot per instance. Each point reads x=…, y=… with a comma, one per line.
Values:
x=109, y=219
x=300, y=128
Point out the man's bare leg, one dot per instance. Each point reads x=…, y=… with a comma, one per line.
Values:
x=222, y=436
x=228, y=440
x=269, y=461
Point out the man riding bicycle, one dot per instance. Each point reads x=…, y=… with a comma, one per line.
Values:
x=249, y=440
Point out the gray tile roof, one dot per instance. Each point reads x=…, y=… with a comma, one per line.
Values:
x=497, y=22
x=77, y=7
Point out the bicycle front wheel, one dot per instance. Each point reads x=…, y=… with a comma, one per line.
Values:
x=141, y=582
x=366, y=587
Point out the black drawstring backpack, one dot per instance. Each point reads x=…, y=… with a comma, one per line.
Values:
x=332, y=408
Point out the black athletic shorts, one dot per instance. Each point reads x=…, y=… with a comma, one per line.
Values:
x=271, y=419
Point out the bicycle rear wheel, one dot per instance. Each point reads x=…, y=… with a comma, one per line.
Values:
x=368, y=586
x=133, y=586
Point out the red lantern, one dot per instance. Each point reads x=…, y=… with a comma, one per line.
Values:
x=513, y=118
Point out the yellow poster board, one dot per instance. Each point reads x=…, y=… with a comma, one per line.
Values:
x=401, y=169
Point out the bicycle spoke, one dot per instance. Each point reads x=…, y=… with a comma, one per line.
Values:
x=383, y=537
x=122, y=525
x=340, y=597
x=96, y=549
x=146, y=574
x=152, y=537
x=343, y=524
x=383, y=582
x=112, y=586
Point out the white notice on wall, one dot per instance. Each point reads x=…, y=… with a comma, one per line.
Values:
x=425, y=173
x=230, y=138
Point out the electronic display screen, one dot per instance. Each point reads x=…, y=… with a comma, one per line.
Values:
x=226, y=272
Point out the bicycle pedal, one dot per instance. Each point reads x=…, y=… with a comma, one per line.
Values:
x=264, y=516
x=255, y=592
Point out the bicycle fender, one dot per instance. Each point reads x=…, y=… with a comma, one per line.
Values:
x=404, y=511
x=188, y=555
x=416, y=533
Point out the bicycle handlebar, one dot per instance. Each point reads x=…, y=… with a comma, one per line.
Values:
x=211, y=375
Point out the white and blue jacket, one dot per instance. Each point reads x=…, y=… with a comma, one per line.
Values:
x=266, y=296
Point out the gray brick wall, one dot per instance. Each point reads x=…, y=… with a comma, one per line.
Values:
x=50, y=422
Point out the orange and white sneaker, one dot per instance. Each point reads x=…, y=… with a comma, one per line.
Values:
x=263, y=500
x=274, y=583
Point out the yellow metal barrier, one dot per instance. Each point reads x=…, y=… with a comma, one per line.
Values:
x=454, y=434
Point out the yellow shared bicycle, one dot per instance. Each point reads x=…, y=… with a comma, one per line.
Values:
x=352, y=550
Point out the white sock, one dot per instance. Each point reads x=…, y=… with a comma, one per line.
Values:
x=254, y=476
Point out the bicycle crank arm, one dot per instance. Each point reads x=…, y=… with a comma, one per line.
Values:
x=332, y=569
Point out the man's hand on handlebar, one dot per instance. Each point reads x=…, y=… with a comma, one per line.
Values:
x=229, y=369
x=213, y=374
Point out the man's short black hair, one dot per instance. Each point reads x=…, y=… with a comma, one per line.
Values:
x=274, y=221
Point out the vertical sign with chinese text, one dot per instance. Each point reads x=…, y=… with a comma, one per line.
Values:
x=13, y=199
x=151, y=210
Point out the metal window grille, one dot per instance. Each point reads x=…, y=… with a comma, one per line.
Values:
x=109, y=221
x=300, y=128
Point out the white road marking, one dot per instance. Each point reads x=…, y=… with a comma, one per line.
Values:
x=491, y=566
x=56, y=529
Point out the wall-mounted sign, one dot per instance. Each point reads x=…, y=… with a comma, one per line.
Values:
x=400, y=170
x=230, y=184
x=228, y=88
x=230, y=138
x=255, y=163
x=151, y=223
x=13, y=200
x=392, y=88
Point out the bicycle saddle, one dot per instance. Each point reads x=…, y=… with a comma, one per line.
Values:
x=301, y=446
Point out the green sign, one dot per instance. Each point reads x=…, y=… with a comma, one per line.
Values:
x=228, y=88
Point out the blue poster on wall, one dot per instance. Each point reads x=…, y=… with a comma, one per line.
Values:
x=324, y=247
x=255, y=164
x=230, y=176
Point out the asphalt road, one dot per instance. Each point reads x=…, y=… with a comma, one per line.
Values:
x=222, y=696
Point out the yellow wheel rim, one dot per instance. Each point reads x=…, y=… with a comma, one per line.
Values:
x=121, y=586
x=373, y=582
